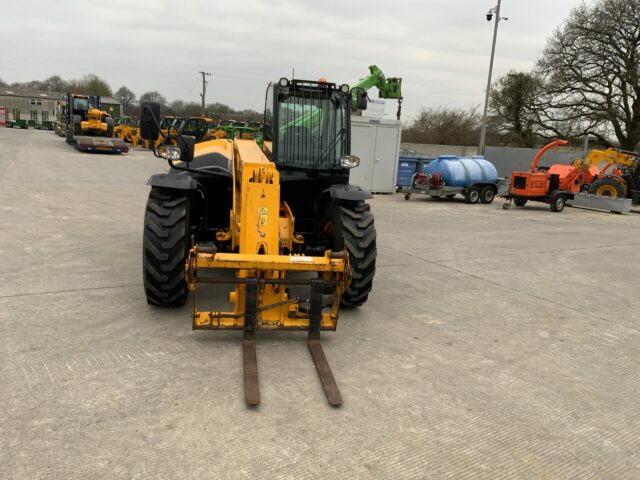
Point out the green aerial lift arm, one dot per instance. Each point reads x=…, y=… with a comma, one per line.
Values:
x=387, y=87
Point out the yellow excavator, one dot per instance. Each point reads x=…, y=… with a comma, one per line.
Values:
x=282, y=225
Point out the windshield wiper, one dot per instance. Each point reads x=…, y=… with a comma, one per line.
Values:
x=332, y=145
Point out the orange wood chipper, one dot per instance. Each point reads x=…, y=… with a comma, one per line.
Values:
x=552, y=185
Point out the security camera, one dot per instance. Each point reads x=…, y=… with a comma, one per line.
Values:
x=489, y=15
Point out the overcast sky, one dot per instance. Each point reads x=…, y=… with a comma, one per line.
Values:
x=440, y=48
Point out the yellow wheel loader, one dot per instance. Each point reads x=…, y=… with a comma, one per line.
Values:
x=121, y=127
x=281, y=226
x=621, y=181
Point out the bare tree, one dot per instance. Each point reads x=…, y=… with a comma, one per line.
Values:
x=153, y=96
x=444, y=126
x=30, y=85
x=591, y=69
x=90, y=85
x=513, y=102
x=55, y=83
x=126, y=97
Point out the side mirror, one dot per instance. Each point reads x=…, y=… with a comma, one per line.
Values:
x=361, y=99
x=187, y=146
x=149, y=117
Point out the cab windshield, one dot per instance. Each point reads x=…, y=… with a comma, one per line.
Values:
x=312, y=128
x=80, y=103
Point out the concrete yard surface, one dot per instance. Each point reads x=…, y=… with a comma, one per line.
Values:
x=495, y=345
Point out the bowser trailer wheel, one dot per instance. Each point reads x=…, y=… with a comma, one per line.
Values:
x=520, y=202
x=487, y=194
x=407, y=195
x=472, y=196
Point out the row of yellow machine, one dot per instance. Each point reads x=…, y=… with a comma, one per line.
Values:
x=200, y=127
x=87, y=127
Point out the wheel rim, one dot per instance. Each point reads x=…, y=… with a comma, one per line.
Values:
x=488, y=196
x=473, y=196
x=607, y=191
x=559, y=203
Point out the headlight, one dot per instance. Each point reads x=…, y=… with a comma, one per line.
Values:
x=170, y=152
x=344, y=88
x=284, y=82
x=349, y=161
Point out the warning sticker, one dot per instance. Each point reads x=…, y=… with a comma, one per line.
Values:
x=301, y=259
x=262, y=216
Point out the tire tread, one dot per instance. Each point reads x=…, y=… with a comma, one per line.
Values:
x=165, y=247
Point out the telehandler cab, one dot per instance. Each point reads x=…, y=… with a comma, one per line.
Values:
x=298, y=239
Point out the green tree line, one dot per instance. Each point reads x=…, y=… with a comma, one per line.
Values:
x=92, y=84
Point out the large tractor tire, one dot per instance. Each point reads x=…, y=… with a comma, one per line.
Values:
x=607, y=187
x=350, y=226
x=166, y=247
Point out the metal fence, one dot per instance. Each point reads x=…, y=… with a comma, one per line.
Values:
x=505, y=159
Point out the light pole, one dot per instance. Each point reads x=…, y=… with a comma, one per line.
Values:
x=483, y=129
x=204, y=88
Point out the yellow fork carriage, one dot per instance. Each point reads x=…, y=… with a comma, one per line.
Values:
x=262, y=232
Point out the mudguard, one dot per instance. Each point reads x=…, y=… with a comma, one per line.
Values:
x=179, y=181
x=351, y=193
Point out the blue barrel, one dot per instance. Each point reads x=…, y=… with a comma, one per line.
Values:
x=407, y=165
x=461, y=171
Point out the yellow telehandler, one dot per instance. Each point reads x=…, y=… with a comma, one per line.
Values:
x=296, y=239
x=619, y=178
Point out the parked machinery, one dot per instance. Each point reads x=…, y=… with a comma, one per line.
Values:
x=197, y=127
x=60, y=123
x=88, y=128
x=268, y=216
x=97, y=123
x=17, y=121
x=553, y=186
x=446, y=176
x=620, y=177
x=387, y=88
x=122, y=127
x=231, y=132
